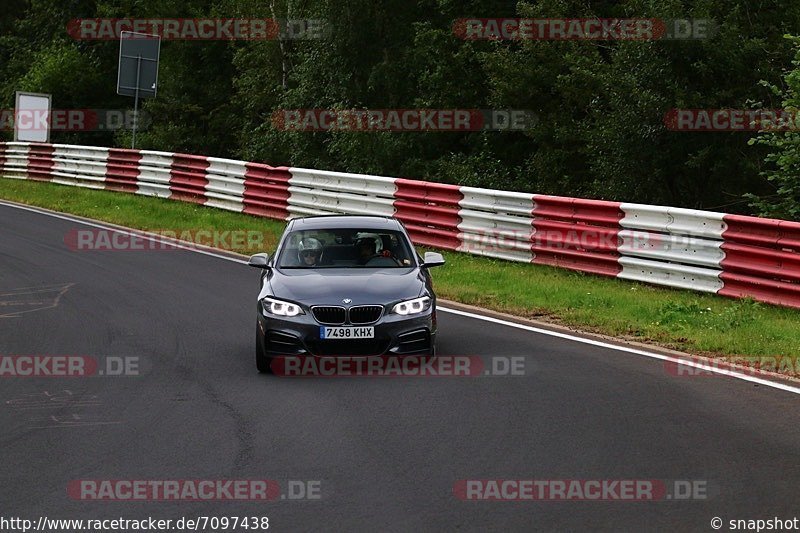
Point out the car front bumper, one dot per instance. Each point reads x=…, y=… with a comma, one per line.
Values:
x=394, y=335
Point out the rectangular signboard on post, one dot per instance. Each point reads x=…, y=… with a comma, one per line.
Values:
x=138, y=69
x=32, y=117
x=138, y=64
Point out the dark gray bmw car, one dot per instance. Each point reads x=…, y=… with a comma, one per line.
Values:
x=343, y=285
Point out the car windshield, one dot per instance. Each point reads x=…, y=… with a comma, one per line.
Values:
x=346, y=248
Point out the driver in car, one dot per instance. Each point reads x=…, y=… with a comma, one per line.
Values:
x=309, y=252
x=366, y=250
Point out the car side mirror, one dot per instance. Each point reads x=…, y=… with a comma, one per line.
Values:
x=259, y=261
x=432, y=259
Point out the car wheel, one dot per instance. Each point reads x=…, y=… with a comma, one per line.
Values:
x=263, y=363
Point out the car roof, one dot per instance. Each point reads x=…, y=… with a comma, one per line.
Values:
x=367, y=222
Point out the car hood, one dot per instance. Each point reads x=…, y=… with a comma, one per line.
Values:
x=330, y=286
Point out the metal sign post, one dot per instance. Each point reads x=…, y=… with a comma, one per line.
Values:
x=136, y=100
x=138, y=69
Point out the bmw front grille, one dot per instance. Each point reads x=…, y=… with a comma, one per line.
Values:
x=334, y=315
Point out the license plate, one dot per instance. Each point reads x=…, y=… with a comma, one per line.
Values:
x=347, y=333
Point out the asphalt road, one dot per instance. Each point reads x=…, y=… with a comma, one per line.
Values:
x=386, y=452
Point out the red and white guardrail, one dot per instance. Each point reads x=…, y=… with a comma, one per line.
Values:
x=732, y=255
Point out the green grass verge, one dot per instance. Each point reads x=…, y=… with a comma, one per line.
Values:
x=693, y=322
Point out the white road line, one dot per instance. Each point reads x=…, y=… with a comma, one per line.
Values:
x=507, y=323
x=601, y=344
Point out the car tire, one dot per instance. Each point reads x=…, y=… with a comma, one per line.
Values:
x=263, y=363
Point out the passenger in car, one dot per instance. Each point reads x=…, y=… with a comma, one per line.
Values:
x=366, y=250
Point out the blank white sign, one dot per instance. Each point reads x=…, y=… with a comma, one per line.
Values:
x=32, y=118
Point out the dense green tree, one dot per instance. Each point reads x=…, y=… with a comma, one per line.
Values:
x=784, y=145
x=600, y=105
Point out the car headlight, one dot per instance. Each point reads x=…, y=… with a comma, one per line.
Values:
x=280, y=308
x=412, y=307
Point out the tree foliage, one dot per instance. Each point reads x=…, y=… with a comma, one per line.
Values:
x=784, y=156
x=600, y=104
